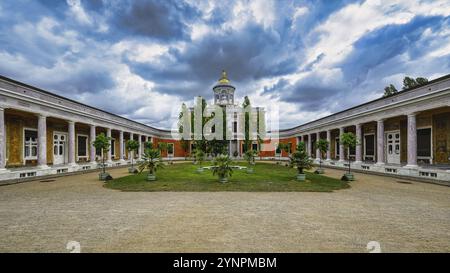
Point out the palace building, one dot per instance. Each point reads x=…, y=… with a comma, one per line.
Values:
x=405, y=135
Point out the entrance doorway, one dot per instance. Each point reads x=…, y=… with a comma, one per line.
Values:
x=393, y=147
x=59, y=148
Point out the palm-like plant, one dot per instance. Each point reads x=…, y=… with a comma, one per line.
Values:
x=222, y=167
x=300, y=160
x=151, y=160
x=349, y=141
x=322, y=146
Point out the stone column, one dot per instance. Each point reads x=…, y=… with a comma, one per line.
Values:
x=380, y=142
x=109, y=156
x=309, y=144
x=2, y=140
x=91, y=146
x=341, y=146
x=412, y=141
x=121, y=150
x=131, y=152
x=318, y=155
x=140, y=146
x=71, y=142
x=329, y=143
x=42, y=141
x=358, y=152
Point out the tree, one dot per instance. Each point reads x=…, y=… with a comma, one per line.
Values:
x=152, y=161
x=322, y=146
x=300, y=160
x=222, y=167
x=408, y=83
x=421, y=81
x=199, y=157
x=390, y=90
x=249, y=156
x=102, y=143
x=349, y=141
x=132, y=146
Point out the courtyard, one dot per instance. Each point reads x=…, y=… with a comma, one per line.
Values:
x=43, y=216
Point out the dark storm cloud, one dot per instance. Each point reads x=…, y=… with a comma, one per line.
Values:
x=165, y=20
x=249, y=54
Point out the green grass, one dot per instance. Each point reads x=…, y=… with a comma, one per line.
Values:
x=266, y=178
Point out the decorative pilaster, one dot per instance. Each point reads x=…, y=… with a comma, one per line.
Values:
x=329, y=143
x=71, y=143
x=42, y=141
x=412, y=141
x=92, y=137
x=341, y=146
x=358, y=152
x=380, y=142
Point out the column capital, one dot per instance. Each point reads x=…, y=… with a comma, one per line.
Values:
x=41, y=115
x=412, y=114
x=381, y=120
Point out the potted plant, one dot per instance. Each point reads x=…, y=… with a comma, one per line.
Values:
x=349, y=141
x=132, y=146
x=151, y=160
x=222, y=167
x=322, y=146
x=249, y=156
x=103, y=143
x=300, y=160
x=199, y=158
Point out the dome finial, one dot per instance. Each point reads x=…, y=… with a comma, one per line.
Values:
x=224, y=78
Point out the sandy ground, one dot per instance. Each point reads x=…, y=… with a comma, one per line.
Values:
x=44, y=216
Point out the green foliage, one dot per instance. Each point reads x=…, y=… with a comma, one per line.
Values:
x=349, y=141
x=102, y=143
x=322, y=146
x=148, y=145
x=222, y=166
x=199, y=156
x=300, y=159
x=390, y=90
x=151, y=161
x=132, y=146
x=249, y=156
x=162, y=146
x=408, y=83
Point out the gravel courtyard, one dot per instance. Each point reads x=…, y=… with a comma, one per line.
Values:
x=402, y=217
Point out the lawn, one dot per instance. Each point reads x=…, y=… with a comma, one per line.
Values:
x=266, y=178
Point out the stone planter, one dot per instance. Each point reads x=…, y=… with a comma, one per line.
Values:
x=348, y=177
x=301, y=177
x=132, y=170
x=249, y=170
x=223, y=179
x=151, y=177
x=104, y=176
x=319, y=171
x=200, y=170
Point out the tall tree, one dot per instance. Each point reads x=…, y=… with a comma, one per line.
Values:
x=390, y=90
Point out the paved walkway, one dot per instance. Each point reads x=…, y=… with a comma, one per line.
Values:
x=44, y=216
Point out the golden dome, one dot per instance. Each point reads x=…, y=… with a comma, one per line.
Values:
x=224, y=78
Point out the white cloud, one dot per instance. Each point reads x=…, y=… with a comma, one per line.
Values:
x=76, y=10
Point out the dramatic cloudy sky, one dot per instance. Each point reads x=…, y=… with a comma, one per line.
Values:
x=142, y=59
